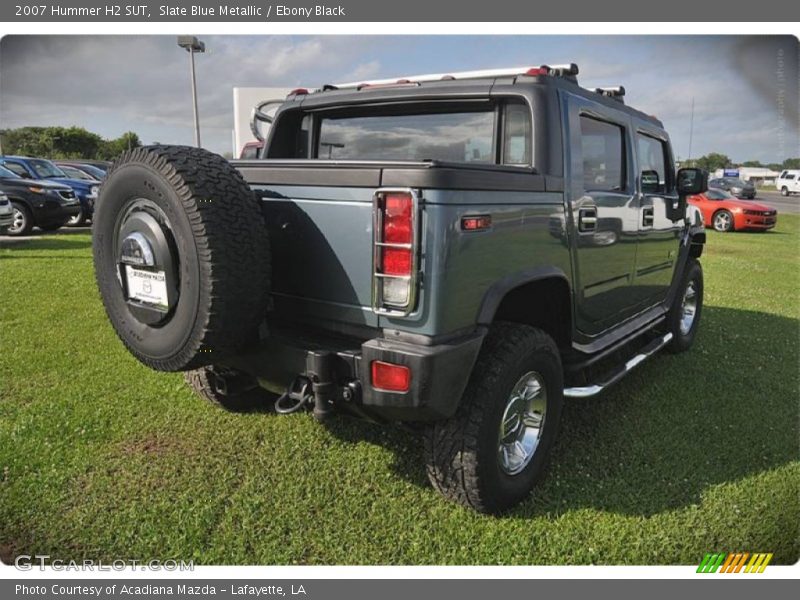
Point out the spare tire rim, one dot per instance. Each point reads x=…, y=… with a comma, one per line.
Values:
x=137, y=207
x=522, y=423
x=688, y=308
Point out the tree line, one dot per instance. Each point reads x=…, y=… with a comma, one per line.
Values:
x=715, y=160
x=64, y=142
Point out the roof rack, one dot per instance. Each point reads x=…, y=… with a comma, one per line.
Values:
x=568, y=70
x=617, y=93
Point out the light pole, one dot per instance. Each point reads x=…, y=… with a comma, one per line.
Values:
x=191, y=44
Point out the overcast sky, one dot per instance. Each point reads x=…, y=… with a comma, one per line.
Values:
x=745, y=89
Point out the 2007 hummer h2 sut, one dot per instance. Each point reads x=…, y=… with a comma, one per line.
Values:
x=460, y=251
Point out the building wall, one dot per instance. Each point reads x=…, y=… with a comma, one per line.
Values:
x=244, y=99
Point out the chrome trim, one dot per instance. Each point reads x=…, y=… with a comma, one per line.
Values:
x=594, y=389
x=379, y=306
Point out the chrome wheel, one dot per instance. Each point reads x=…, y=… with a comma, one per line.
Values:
x=722, y=221
x=75, y=219
x=18, y=221
x=522, y=423
x=688, y=308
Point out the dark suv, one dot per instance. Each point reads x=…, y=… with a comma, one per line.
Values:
x=461, y=253
x=43, y=204
x=736, y=186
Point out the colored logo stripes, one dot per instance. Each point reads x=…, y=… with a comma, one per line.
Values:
x=734, y=562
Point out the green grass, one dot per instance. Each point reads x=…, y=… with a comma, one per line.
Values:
x=102, y=458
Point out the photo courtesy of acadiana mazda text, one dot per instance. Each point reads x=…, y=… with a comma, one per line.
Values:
x=462, y=253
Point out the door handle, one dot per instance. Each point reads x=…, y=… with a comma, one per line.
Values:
x=647, y=216
x=587, y=219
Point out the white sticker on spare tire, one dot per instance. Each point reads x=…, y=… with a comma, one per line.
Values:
x=147, y=286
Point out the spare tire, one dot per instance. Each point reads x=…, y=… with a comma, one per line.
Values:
x=181, y=256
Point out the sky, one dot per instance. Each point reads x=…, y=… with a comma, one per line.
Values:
x=745, y=88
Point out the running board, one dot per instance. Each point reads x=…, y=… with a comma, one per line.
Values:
x=594, y=389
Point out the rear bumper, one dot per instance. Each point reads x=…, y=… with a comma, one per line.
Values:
x=439, y=372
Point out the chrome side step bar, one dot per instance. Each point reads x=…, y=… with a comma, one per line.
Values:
x=646, y=352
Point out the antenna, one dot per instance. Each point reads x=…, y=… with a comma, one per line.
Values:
x=691, y=133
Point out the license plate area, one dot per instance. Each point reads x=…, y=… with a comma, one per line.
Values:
x=148, y=287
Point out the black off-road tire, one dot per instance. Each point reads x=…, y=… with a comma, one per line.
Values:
x=233, y=391
x=28, y=219
x=462, y=452
x=784, y=191
x=220, y=241
x=682, y=341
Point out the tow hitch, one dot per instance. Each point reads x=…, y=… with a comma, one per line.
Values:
x=316, y=389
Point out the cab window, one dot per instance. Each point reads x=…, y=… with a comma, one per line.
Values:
x=653, y=158
x=603, y=153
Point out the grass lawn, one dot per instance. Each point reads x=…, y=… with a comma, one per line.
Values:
x=103, y=458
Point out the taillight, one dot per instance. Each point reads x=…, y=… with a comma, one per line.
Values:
x=394, y=273
x=390, y=377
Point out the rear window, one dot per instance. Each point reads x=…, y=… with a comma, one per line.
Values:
x=446, y=136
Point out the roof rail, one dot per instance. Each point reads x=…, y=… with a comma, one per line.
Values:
x=567, y=70
x=617, y=93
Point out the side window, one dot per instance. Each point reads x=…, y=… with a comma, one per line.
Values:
x=603, y=152
x=790, y=176
x=16, y=168
x=517, y=134
x=656, y=174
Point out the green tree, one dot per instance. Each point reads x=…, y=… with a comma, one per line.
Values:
x=752, y=163
x=791, y=163
x=713, y=161
x=64, y=142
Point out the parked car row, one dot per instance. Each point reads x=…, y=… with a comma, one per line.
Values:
x=46, y=194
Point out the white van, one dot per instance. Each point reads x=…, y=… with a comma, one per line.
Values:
x=788, y=182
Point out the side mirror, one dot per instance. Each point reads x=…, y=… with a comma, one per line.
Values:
x=692, y=181
x=649, y=182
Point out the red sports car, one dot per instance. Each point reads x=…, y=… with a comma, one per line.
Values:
x=725, y=212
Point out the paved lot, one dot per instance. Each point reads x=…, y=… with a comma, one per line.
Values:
x=788, y=205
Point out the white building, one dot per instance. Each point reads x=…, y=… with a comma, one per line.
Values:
x=244, y=99
x=755, y=174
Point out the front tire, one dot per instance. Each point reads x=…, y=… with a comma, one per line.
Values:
x=77, y=220
x=21, y=219
x=684, y=315
x=723, y=221
x=491, y=453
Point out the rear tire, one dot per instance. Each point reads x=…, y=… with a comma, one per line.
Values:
x=216, y=250
x=22, y=220
x=472, y=458
x=232, y=390
x=687, y=307
x=784, y=191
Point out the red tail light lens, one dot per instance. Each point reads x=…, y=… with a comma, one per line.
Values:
x=398, y=228
x=390, y=377
x=397, y=219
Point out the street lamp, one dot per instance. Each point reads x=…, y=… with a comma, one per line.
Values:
x=191, y=44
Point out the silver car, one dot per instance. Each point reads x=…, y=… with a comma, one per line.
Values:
x=6, y=213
